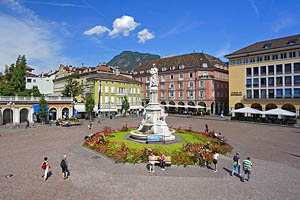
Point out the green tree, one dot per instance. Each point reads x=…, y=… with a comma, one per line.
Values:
x=72, y=88
x=18, y=79
x=43, y=109
x=35, y=91
x=125, y=106
x=89, y=104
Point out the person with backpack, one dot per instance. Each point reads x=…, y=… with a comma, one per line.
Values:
x=45, y=167
x=247, y=165
x=236, y=164
x=64, y=167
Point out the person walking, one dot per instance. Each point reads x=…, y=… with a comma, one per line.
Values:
x=206, y=128
x=64, y=167
x=151, y=162
x=27, y=124
x=247, y=165
x=215, y=160
x=45, y=167
x=163, y=161
x=222, y=114
x=236, y=164
x=90, y=125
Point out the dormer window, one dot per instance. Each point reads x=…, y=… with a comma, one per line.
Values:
x=267, y=46
x=292, y=41
x=163, y=69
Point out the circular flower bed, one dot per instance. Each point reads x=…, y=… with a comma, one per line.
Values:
x=196, y=149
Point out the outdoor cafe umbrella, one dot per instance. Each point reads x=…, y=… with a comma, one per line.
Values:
x=278, y=111
x=247, y=110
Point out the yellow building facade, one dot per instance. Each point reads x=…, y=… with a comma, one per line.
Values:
x=266, y=75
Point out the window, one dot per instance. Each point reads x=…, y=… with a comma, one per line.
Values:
x=201, y=94
x=259, y=59
x=28, y=80
x=191, y=74
x=267, y=46
x=255, y=82
x=296, y=80
x=171, y=76
x=221, y=85
x=255, y=71
x=249, y=94
x=288, y=93
x=201, y=83
x=278, y=81
x=249, y=82
x=275, y=57
x=278, y=69
x=171, y=85
x=267, y=58
x=180, y=93
x=297, y=92
x=217, y=74
x=162, y=93
x=292, y=41
x=292, y=54
x=190, y=93
x=106, y=89
x=288, y=81
x=191, y=84
x=232, y=62
x=180, y=75
x=180, y=84
x=239, y=61
x=287, y=68
x=271, y=69
x=271, y=81
x=256, y=94
x=296, y=67
x=147, y=79
x=263, y=70
x=279, y=93
x=263, y=94
x=138, y=90
x=271, y=93
x=162, y=85
x=245, y=60
x=252, y=60
x=34, y=80
x=283, y=56
x=204, y=73
x=162, y=77
x=141, y=79
x=263, y=82
x=112, y=90
x=171, y=94
x=249, y=71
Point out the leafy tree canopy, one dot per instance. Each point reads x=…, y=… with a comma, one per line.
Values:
x=125, y=105
x=72, y=88
x=43, y=104
x=89, y=103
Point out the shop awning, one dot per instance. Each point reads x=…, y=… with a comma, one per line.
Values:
x=80, y=108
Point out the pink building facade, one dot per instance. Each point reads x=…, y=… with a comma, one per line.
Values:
x=200, y=80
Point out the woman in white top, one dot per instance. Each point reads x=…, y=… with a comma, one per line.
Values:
x=152, y=162
x=215, y=160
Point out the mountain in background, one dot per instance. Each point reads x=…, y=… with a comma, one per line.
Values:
x=128, y=60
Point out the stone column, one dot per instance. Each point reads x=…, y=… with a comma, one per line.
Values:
x=31, y=111
x=1, y=117
x=59, y=115
x=70, y=111
x=16, y=115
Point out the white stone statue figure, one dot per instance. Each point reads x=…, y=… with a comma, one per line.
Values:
x=154, y=77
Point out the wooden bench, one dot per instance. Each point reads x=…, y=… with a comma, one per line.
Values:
x=157, y=160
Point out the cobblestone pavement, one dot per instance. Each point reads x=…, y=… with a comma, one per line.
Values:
x=275, y=152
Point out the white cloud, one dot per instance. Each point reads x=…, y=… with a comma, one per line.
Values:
x=123, y=25
x=30, y=36
x=254, y=7
x=224, y=51
x=285, y=22
x=145, y=35
x=98, y=30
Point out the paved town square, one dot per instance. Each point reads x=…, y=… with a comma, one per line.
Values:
x=274, y=151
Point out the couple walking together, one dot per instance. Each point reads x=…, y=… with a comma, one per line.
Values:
x=63, y=164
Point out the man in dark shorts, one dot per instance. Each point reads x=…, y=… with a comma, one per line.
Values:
x=64, y=167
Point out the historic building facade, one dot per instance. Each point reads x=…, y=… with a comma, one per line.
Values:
x=266, y=75
x=190, y=79
x=17, y=109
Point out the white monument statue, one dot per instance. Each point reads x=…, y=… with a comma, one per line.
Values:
x=154, y=121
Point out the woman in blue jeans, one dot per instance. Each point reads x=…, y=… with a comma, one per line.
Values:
x=236, y=163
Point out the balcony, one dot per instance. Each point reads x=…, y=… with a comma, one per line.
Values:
x=190, y=88
x=171, y=89
x=180, y=98
x=171, y=98
x=162, y=98
x=207, y=77
x=201, y=98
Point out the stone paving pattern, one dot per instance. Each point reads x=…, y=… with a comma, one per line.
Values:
x=275, y=153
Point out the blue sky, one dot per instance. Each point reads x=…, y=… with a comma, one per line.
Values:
x=71, y=32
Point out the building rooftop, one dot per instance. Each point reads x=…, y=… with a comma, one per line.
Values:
x=28, y=74
x=104, y=76
x=186, y=60
x=269, y=44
